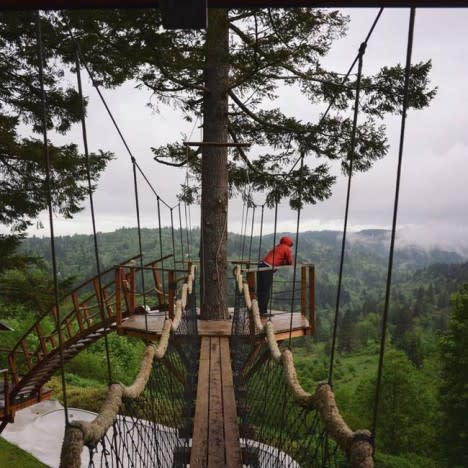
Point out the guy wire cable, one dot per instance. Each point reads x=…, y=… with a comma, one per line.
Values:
x=181, y=236
x=93, y=215
x=351, y=155
x=299, y=210
x=343, y=81
x=40, y=47
x=395, y=215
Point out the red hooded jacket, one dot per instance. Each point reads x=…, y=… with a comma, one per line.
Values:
x=281, y=254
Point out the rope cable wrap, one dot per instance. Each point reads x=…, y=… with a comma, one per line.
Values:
x=357, y=444
x=81, y=433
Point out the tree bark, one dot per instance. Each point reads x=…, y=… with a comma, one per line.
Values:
x=214, y=205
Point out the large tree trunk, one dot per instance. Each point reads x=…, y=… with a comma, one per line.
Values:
x=214, y=170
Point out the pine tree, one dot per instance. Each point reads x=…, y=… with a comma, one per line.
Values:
x=229, y=76
x=23, y=188
x=454, y=383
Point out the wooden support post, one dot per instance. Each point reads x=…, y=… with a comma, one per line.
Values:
x=12, y=366
x=40, y=334
x=107, y=305
x=130, y=276
x=118, y=296
x=77, y=309
x=6, y=392
x=69, y=328
x=251, y=281
x=304, y=290
x=312, y=299
x=97, y=292
x=27, y=354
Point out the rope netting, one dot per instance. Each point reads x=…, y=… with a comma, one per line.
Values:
x=149, y=422
x=281, y=424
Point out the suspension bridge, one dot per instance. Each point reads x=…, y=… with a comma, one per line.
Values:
x=209, y=393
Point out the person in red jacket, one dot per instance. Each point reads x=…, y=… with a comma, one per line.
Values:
x=281, y=254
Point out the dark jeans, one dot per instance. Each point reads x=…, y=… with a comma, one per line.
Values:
x=264, y=283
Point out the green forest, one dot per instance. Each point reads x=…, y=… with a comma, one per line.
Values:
x=423, y=412
x=228, y=79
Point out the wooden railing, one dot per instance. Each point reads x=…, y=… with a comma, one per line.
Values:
x=43, y=336
x=307, y=297
x=100, y=307
x=91, y=310
x=130, y=292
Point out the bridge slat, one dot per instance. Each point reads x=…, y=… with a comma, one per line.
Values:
x=216, y=423
x=231, y=426
x=199, y=452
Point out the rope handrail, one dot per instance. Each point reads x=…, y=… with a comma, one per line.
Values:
x=358, y=444
x=81, y=433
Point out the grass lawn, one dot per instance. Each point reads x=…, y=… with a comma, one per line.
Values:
x=11, y=455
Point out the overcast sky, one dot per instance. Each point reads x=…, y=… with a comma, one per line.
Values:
x=433, y=201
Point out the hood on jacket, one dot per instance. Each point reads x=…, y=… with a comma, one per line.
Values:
x=286, y=240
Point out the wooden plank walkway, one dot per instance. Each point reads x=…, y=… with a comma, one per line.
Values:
x=216, y=441
x=150, y=328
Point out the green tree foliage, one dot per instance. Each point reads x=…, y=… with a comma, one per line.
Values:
x=269, y=49
x=23, y=188
x=406, y=408
x=32, y=286
x=454, y=382
x=229, y=76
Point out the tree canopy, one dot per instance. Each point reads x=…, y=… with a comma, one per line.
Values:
x=23, y=187
x=269, y=49
x=229, y=77
x=454, y=382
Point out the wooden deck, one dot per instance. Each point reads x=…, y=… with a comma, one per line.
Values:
x=23, y=400
x=216, y=440
x=149, y=327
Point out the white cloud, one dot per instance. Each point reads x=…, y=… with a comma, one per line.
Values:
x=433, y=198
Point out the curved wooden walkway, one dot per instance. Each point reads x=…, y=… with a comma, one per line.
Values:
x=88, y=313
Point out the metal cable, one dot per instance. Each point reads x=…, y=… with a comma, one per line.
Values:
x=93, y=215
x=40, y=47
x=161, y=253
x=295, y=253
x=173, y=237
x=261, y=234
x=343, y=81
x=181, y=236
x=251, y=235
x=274, y=252
x=395, y=215
x=140, y=244
x=351, y=155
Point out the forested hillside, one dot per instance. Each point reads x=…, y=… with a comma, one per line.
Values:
x=417, y=383
x=365, y=267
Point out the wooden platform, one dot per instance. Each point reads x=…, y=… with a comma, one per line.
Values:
x=216, y=441
x=24, y=400
x=149, y=327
